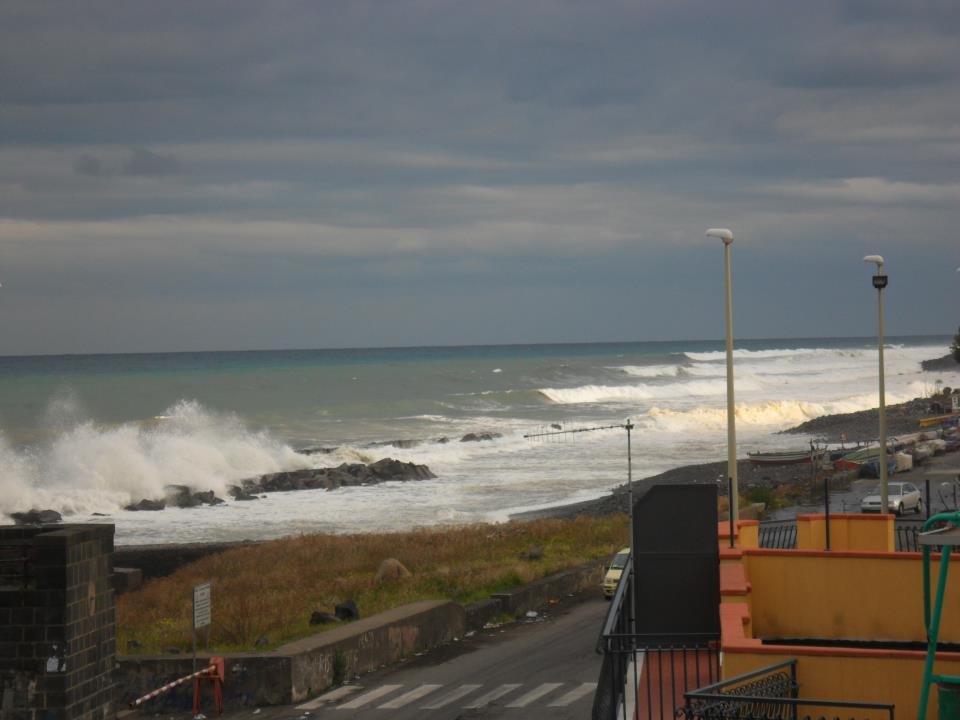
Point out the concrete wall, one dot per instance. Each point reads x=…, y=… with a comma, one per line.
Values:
x=159, y=560
x=57, y=623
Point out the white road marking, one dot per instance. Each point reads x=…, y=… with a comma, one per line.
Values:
x=491, y=696
x=574, y=695
x=369, y=697
x=340, y=692
x=535, y=694
x=452, y=697
x=409, y=697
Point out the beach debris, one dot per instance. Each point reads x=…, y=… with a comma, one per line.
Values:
x=534, y=552
x=322, y=618
x=347, y=610
x=391, y=569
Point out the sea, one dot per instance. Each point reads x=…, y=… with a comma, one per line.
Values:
x=87, y=435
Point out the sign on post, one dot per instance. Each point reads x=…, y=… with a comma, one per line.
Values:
x=201, y=605
x=201, y=615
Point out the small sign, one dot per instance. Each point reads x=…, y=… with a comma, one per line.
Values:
x=201, y=605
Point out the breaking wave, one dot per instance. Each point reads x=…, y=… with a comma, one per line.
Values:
x=90, y=468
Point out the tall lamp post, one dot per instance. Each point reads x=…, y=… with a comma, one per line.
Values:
x=734, y=500
x=880, y=282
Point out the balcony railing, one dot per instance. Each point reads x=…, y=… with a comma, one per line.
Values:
x=645, y=676
x=771, y=693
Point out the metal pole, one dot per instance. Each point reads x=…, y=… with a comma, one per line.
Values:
x=730, y=507
x=826, y=506
x=731, y=421
x=628, y=426
x=193, y=629
x=883, y=410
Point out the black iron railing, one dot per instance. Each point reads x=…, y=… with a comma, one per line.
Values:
x=771, y=693
x=778, y=535
x=645, y=676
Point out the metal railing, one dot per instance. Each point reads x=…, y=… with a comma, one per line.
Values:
x=778, y=535
x=771, y=693
x=643, y=675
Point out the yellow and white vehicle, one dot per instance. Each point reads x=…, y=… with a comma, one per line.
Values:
x=614, y=572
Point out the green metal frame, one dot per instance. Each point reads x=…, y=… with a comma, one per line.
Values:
x=932, y=621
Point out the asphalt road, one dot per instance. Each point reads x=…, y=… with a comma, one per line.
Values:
x=538, y=669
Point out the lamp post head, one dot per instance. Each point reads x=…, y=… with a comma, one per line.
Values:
x=880, y=279
x=721, y=233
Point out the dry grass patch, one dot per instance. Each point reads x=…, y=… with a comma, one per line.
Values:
x=271, y=589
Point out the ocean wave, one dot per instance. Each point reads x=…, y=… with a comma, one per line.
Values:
x=650, y=371
x=586, y=394
x=772, y=414
x=90, y=468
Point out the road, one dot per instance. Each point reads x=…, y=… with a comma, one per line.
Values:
x=541, y=669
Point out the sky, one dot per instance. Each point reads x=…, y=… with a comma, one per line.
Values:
x=247, y=175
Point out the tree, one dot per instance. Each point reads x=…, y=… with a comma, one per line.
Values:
x=955, y=347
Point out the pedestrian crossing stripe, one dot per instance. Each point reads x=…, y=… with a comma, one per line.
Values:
x=326, y=698
x=435, y=700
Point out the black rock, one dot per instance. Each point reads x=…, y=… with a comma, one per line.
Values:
x=478, y=437
x=147, y=505
x=262, y=641
x=322, y=618
x=133, y=645
x=171, y=650
x=347, y=610
x=180, y=496
x=37, y=517
x=242, y=494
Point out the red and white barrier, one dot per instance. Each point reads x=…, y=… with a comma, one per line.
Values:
x=213, y=673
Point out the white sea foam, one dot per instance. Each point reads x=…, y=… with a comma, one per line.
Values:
x=651, y=371
x=89, y=468
x=633, y=393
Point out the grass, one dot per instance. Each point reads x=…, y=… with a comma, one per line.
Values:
x=271, y=589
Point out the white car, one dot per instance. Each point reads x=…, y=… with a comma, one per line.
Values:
x=901, y=497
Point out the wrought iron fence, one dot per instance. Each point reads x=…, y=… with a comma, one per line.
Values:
x=778, y=535
x=771, y=693
x=907, y=537
x=645, y=676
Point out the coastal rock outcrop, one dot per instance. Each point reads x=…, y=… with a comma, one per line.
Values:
x=478, y=437
x=347, y=474
x=37, y=517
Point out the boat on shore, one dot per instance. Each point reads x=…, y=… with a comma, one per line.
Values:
x=785, y=457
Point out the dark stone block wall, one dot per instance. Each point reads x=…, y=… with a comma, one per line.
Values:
x=57, y=623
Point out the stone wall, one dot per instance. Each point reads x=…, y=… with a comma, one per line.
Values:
x=57, y=623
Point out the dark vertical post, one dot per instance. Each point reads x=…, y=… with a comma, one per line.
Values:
x=927, y=483
x=730, y=507
x=826, y=506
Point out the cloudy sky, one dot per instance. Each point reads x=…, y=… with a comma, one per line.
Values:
x=231, y=175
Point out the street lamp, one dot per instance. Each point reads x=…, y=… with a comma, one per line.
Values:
x=880, y=282
x=727, y=237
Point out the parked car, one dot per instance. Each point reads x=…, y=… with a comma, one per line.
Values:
x=614, y=572
x=901, y=497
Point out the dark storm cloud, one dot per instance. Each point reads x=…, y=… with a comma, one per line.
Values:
x=431, y=152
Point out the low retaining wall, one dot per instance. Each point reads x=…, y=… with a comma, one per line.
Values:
x=307, y=667
x=159, y=560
